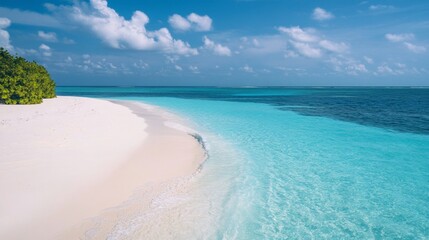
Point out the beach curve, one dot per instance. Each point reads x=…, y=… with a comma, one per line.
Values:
x=68, y=160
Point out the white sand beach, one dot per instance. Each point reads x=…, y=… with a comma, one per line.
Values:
x=67, y=160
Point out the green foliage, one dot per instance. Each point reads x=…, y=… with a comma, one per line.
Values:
x=23, y=82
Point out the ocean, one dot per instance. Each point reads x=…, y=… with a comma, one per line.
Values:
x=301, y=163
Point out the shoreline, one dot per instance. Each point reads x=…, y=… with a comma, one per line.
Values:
x=70, y=213
x=173, y=122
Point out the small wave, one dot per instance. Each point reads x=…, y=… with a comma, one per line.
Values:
x=203, y=145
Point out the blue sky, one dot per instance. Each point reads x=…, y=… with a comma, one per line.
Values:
x=223, y=42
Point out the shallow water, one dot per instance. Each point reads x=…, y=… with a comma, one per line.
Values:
x=302, y=163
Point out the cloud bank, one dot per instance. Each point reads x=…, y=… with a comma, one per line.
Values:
x=118, y=32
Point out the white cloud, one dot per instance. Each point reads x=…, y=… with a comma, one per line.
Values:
x=28, y=18
x=202, y=23
x=380, y=7
x=4, y=35
x=385, y=69
x=45, y=50
x=307, y=50
x=321, y=14
x=333, y=46
x=401, y=65
x=30, y=51
x=194, y=69
x=172, y=59
x=405, y=38
x=397, y=69
x=4, y=40
x=414, y=48
x=111, y=65
x=4, y=23
x=263, y=45
x=290, y=54
x=98, y=64
x=44, y=47
x=368, y=60
x=68, y=41
x=141, y=65
x=178, y=68
x=179, y=23
x=256, y=42
x=192, y=22
x=299, y=34
x=348, y=65
x=247, y=69
x=399, y=37
x=48, y=36
x=310, y=44
x=120, y=33
x=356, y=67
x=217, y=48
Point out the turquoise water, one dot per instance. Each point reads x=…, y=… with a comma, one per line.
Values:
x=279, y=171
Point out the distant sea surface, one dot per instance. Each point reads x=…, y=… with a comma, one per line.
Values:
x=310, y=163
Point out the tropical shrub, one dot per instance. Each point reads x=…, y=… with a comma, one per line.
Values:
x=23, y=82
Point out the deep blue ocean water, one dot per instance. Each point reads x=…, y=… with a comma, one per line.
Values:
x=306, y=163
